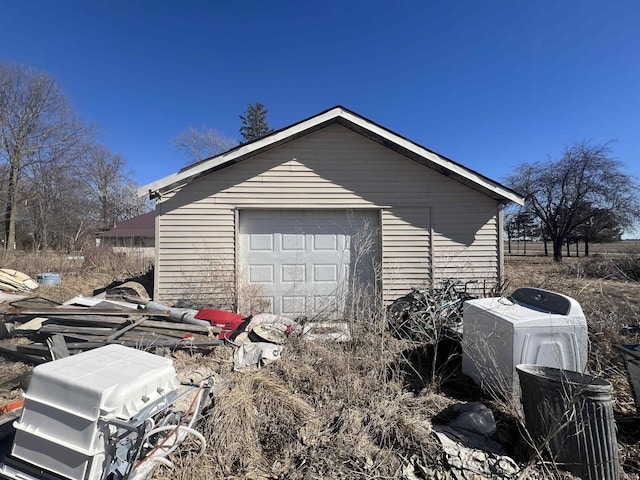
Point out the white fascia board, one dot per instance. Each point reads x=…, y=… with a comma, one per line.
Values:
x=184, y=176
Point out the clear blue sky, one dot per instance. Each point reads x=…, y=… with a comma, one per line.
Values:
x=490, y=84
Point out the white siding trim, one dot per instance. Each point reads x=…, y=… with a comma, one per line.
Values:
x=156, y=273
x=500, y=234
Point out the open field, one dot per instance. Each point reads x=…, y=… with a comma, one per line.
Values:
x=537, y=248
x=365, y=409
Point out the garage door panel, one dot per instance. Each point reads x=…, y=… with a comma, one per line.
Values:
x=311, y=255
x=294, y=273
x=325, y=273
x=293, y=305
x=325, y=243
x=293, y=242
x=261, y=273
x=261, y=242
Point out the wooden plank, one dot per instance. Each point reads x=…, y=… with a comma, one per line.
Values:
x=75, y=337
x=31, y=326
x=97, y=334
x=124, y=329
x=64, y=329
x=57, y=347
x=184, y=327
x=12, y=351
x=21, y=381
x=36, y=349
x=150, y=337
x=148, y=323
x=170, y=333
x=6, y=423
x=92, y=311
x=87, y=321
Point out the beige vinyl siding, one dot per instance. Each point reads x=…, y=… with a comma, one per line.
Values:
x=332, y=168
x=465, y=242
x=406, y=258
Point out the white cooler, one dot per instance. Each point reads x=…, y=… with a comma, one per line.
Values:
x=61, y=430
x=532, y=326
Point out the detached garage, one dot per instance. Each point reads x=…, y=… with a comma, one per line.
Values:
x=320, y=217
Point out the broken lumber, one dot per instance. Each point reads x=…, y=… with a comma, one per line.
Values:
x=12, y=351
x=92, y=311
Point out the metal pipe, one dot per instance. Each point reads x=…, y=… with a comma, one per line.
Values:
x=182, y=315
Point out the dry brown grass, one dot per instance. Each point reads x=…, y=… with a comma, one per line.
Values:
x=357, y=410
x=13, y=380
x=321, y=411
x=609, y=305
x=80, y=273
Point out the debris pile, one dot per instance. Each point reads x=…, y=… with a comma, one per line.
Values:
x=15, y=281
x=48, y=330
x=338, y=399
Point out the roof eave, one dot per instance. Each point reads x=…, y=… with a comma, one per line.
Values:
x=433, y=160
x=349, y=120
x=244, y=151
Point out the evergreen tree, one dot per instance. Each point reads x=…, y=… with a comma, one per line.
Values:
x=254, y=122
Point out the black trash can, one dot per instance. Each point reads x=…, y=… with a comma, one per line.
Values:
x=574, y=414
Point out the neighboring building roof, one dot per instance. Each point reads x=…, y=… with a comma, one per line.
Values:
x=140, y=226
x=354, y=122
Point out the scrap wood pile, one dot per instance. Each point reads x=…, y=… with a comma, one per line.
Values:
x=15, y=281
x=40, y=330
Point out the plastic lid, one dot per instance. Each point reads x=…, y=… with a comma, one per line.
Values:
x=575, y=379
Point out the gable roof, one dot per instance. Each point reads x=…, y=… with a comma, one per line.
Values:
x=353, y=121
x=140, y=226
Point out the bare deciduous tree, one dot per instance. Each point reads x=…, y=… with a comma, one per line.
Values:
x=52, y=201
x=36, y=125
x=200, y=144
x=557, y=191
x=102, y=172
x=127, y=203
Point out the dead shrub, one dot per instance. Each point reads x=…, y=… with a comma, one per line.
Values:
x=624, y=267
x=103, y=261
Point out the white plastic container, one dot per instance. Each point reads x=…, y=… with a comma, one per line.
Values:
x=49, y=278
x=533, y=326
x=59, y=429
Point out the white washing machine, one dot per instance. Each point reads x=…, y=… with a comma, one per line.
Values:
x=531, y=326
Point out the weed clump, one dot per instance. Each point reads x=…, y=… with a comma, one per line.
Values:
x=624, y=268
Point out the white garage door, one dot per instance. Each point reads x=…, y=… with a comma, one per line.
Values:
x=303, y=262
